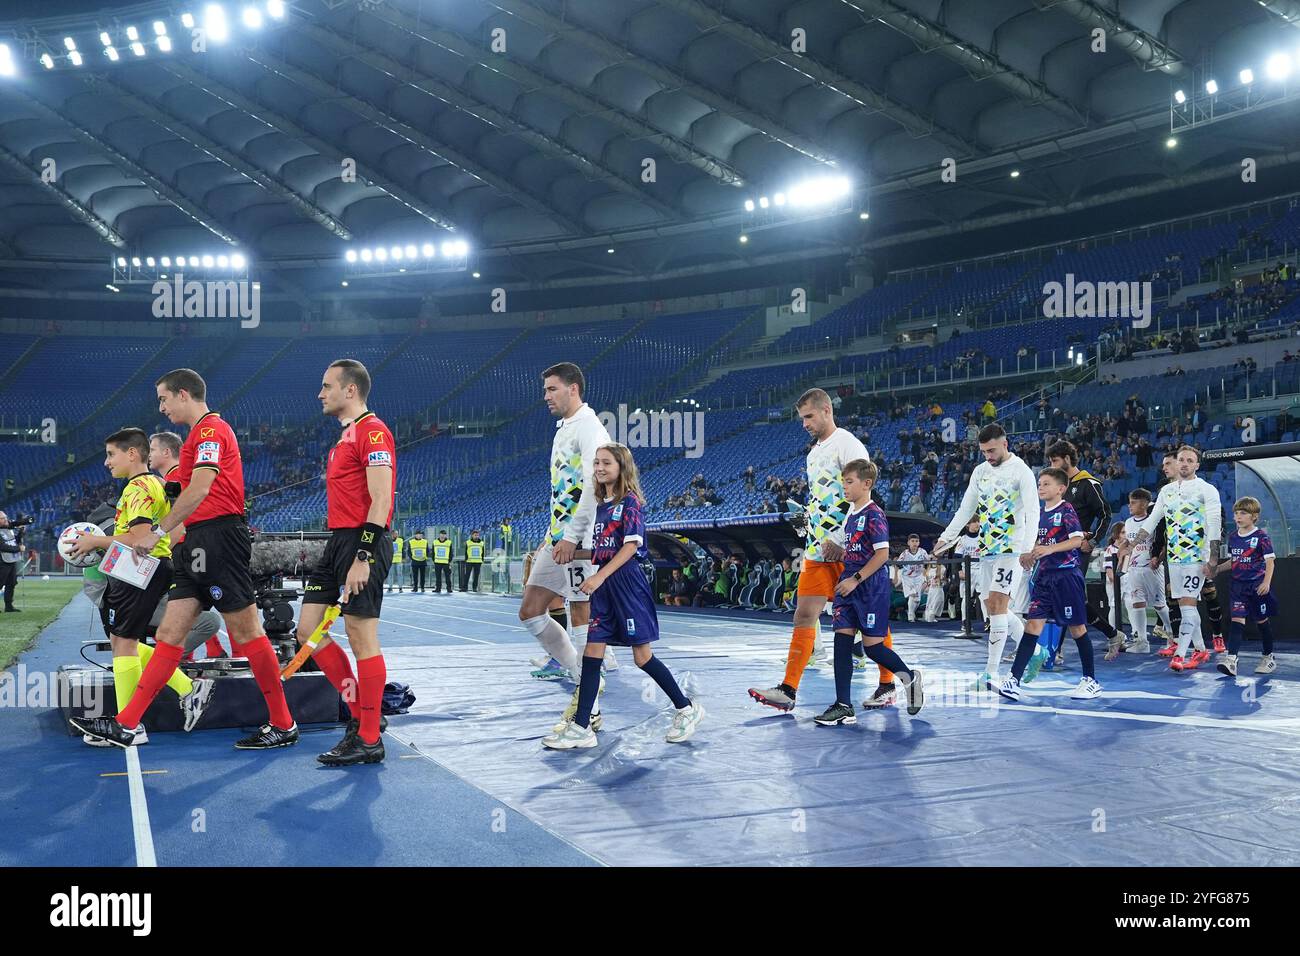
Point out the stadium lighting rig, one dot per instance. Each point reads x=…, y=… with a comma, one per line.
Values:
x=809, y=198
x=132, y=41
x=449, y=255
x=139, y=267
x=1212, y=95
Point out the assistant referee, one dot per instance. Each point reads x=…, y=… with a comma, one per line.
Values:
x=360, y=491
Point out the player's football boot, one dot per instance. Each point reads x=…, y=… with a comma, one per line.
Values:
x=109, y=730
x=353, y=750
x=196, y=701
x=885, y=695
x=781, y=696
x=1219, y=646
x=268, y=737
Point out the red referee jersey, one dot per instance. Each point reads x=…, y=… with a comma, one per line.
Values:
x=211, y=444
x=366, y=443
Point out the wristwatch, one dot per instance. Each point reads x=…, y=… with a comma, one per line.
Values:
x=857, y=576
x=363, y=555
x=155, y=529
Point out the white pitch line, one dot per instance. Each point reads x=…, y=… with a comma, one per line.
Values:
x=144, y=854
x=1187, y=720
x=431, y=630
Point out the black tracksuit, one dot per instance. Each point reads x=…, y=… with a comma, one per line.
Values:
x=1089, y=501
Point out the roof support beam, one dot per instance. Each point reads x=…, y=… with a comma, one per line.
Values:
x=585, y=103
x=161, y=189
x=269, y=115
x=981, y=64
x=200, y=141
x=669, y=78
x=712, y=19
x=1148, y=51
x=79, y=212
x=404, y=74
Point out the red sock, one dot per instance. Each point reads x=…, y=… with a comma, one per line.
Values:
x=161, y=667
x=371, y=675
x=213, y=647
x=237, y=649
x=266, y=671
x=334, y=662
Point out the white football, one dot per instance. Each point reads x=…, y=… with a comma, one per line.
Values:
x=45, y=577
x=69, y=537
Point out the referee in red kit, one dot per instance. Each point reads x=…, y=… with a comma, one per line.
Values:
x=360, y=490
x=211, y=569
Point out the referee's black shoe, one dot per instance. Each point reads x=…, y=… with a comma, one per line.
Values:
x=353, y=750
x=268, y=737
x=106, y=729
x=354, y=727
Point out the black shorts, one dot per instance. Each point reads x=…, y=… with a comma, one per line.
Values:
x=331, y=573
x=128, y=610
x=212, y=565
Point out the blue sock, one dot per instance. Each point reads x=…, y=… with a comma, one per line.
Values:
x=843, y=668
x=1236, y=632
x=588, y=689
x=662, y=676
x=1024, y=651
x=880, y=654
x=1266, y=635
x=1084, y=644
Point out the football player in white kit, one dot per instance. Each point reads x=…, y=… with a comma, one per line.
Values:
x=1193, y=515
x=1141, y=587
x=1003, y=492
x=911, y=573
x=554, y=572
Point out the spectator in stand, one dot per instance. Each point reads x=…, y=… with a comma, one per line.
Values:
x=988, y=411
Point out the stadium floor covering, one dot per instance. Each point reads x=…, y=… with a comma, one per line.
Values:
x=1165, y=769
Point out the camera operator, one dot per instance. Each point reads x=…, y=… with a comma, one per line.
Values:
x=11, y=552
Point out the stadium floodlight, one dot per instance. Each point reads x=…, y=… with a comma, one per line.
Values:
x=7, y=65
x=149, y=262
x=744, y=238
x=121, y=262
x=412, y=252
x=105, y=39
x=1180, y=97
x=131, y=33
x=428, y=250
x=779, y=199
x=1278, y=66
x=762, y=202
x=237, y=260
x=345, y=283
x=208, y=261
x=1211, y=87
x=69, y=44
x=1247, y=76
x=462, y=247
x=864, y=216
x=165, y=44
x=478, y=275
x=166, y=262
x=448, y=249
x=252, y=18
x=111, y=288
x=610, y=250
x=819, y=191
x=366, y=255
x=1015, y=174
x=1171, y=142
x=135, y=262
x=75, y=58
x=749, y=205
x=276, y=9
x=1078, y=359
x=159, y=28
x=350, y=255
x=215, y=23
x=137, y=48
x=47, y=61
x=396, y=253
x=111, y=53
x=187, y=21
x=223, y=262
x=381, y=254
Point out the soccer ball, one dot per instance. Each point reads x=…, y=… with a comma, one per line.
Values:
x=45, y=577
x=69, y=537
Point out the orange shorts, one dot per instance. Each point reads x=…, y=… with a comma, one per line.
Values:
x=820, y=577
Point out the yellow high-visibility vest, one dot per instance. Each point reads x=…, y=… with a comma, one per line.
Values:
x=441, y=551
x=419, y=549
x=474, y=552
x=397, y=549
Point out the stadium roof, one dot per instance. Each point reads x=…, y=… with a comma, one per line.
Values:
x=524, y=127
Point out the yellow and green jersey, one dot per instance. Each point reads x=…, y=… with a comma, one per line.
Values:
x=143, y=501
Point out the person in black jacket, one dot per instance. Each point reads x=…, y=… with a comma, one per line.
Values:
x=1089, y=501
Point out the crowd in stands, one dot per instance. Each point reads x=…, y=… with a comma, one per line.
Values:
x=699, y=492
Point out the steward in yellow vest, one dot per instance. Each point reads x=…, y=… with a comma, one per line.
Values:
x=397, y=573
x=474, y=548
x=418, y=548
x=441, y=562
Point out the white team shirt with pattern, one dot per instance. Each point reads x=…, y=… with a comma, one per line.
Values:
x=827, y=506
x=912, y=566
x=573, y=455
x=1005, y=497
x=1193, y=518
x=1139, y=555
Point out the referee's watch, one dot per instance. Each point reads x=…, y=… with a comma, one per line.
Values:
x=363, y=555
x=155, y=529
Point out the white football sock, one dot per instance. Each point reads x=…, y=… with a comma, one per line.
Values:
x=1137, y=616
x=912, y=601
x=554, y=641
x=997, y=641
x=1015, y=631
x=1189, y=630
x=1163, y=614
